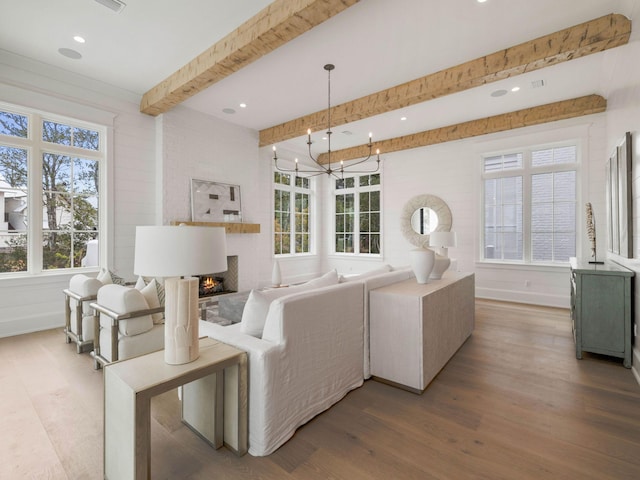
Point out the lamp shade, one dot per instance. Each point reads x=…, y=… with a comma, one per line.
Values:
x=173, y=251
x=442, y=239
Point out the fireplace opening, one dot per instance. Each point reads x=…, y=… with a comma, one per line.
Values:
x=210, y=285
x=220, y=283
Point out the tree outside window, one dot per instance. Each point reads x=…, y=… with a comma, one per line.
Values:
x=357, y=215
x=292, y=214
x=67, y=159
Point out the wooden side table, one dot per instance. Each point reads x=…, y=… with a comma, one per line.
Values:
x=130, y=384
x=416, y=328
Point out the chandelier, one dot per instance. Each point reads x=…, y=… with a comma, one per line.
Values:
x=316, y=168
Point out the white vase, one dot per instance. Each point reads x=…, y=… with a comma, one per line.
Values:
x=422, y=261
x=276, y=275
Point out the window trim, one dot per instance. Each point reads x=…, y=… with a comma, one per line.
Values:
x=292, y=189
x=357, y=189
x=527, y=171
x=36, y=148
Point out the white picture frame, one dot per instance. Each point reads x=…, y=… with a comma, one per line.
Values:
x=215, y=202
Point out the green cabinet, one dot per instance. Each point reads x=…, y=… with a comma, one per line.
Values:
x=601, y=309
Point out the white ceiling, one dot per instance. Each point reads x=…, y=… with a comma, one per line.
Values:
x=375, y=44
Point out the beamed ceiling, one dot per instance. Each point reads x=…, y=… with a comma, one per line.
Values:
x=435, y=63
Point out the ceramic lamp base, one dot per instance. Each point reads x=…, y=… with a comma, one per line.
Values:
x=181, y=321
x=440, y=266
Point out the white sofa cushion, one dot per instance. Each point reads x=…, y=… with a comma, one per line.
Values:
x=257, y=306
x=371, y=273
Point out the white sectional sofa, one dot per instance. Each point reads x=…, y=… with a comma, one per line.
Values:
x=313, y=350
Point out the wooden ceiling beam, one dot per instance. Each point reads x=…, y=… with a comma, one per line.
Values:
x=277, y=24
x=590, y=37
x=527, y=117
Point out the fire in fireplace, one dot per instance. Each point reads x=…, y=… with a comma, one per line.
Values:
x=210, y=285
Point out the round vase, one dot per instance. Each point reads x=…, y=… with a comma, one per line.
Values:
x=422, y=261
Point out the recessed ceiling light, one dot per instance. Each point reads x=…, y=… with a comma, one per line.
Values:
x=498, y=93
x=403, y=118
x=481, y=1
x=69, y=53
x=79, y=39
x=243, y=105
x=230, y=111
x=515, y=89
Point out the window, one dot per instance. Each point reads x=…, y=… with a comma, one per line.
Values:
x=292, y=214
x=357, y=214
x=529, y=201
x=49, y=185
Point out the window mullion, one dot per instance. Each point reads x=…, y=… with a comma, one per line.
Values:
x=35, y=235
x=526, y=207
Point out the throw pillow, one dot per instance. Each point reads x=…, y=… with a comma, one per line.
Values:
x=107, y=277
x=257, y=306
x=150, y=293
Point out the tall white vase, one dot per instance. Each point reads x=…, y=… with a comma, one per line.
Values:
x=422, y=261
x=181, y=321
x=276, y=275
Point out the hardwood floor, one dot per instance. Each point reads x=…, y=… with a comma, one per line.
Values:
x=513, y=403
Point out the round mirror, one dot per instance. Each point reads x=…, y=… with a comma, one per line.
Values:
x=424, y=221
x=423, y=215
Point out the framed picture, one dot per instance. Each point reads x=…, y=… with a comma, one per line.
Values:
x=215, y=202
x=619, y=200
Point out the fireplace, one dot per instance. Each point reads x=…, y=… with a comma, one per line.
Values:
x=220, y=283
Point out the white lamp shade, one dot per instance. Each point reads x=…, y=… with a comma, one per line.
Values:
x=442, y=239
x=173, y=251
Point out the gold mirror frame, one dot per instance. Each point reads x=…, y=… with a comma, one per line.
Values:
x=429, y=201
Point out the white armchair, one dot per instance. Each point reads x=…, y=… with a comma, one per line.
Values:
x=126, y=327
x=79, y=317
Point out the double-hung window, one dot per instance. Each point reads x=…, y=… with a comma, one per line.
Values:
x=357, y=224
x=292, y=214
x=529, y=202
x=49, y=190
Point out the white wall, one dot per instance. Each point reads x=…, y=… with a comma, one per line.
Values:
x=30, y=304
x=623, y=115
x=451, y=171
x=195, y=145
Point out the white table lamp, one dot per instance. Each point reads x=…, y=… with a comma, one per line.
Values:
x=441, y=240
x=180, y=251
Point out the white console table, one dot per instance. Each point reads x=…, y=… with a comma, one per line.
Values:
x=416, y=328
x=130, y=384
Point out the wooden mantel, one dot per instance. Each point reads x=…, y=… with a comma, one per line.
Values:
x=230, y=227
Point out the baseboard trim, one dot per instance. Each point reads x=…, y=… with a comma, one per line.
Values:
x=533, y=298
x=30, y=324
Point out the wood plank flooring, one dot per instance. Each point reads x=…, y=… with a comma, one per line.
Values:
x=513, y=403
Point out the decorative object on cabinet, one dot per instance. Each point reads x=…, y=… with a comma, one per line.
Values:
x=441, y=240
x=591, y=233
x=422, y=262
x=215, y=202
x=422, y=216
x=619, y=200
x=601, y=309
x=182, y=251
